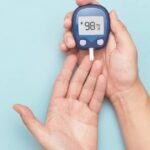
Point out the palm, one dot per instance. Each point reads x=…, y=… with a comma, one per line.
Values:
x=73, y=124
x=120, y=66
x=72, y=119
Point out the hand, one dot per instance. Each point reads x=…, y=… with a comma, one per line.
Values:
x=121, y=67
x=68, y=44
x=124, y=89
x=72, y=120
x=120, y=55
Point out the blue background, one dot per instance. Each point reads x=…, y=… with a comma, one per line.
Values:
x=30, y=32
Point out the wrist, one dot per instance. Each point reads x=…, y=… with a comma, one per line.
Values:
x=136, y=95
x=133, y=109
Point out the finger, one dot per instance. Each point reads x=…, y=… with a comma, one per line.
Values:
x=63, y=46
x=90, y=83
x=120, y=32
x=79, y=79
x=68, y=21
x=73, y=51
x=98, y=95
x=111, y=44
x=82, y=54
x=85, y=2
x=62, y=82
x=36, y=128
x=67, y=43
x=69, y=40
x=110, y=47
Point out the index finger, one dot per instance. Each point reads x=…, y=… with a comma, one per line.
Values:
x=85, y=2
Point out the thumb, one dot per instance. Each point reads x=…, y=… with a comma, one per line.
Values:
x=36, y=128
x=85, y=2
x=120, y=32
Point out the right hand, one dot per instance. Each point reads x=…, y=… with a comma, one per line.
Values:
x=120, y=55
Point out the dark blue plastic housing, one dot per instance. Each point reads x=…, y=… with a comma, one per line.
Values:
x=91, y=40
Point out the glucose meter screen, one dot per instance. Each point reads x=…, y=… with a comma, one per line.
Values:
x=91, y=25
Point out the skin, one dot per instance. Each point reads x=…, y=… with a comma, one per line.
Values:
x=72, y=118
x=118, y=64
x=124, y=88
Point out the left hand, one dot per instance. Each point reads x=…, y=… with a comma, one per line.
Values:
x=72, y=120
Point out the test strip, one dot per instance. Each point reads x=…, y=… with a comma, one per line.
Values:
x=91, y=54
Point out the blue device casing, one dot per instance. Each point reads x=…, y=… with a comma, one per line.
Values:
x=91, y=10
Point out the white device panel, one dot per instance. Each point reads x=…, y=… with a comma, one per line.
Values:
x=91, y=25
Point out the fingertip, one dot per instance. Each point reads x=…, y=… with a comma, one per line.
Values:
x=79, y=2
x=34, y=125
x=86, y=63
x=68, y=21
x=113, y=15
x=67, y=24
x=119, y=30
x=97, y=67
x=72, y=58
x=113, y=20
x=116, y=24
x=22, y=110
x=63, y=47
x=16, y=107
x=87, y=59
x=102, y=81
x=98, y=63
x=84, y=2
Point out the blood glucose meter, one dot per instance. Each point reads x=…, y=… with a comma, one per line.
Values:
x=91, y=28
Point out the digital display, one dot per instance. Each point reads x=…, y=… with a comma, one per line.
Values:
x=91, y=25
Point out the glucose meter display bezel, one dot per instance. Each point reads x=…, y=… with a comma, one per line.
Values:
x=91, y=41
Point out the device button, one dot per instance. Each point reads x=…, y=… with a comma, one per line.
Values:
x=100, y=42
x=82, y=42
